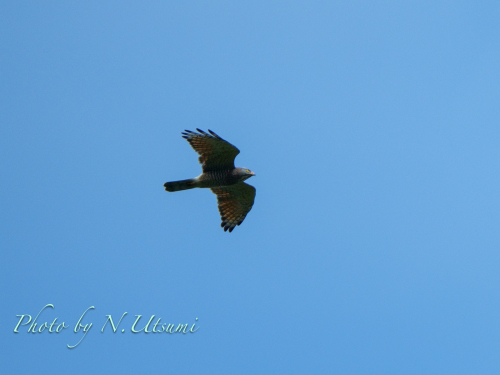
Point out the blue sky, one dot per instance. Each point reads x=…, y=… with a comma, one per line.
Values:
x=372, y=127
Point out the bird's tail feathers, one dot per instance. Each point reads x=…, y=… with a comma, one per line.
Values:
x=180, y=185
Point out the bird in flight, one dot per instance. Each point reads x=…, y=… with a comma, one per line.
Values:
x=234, y=197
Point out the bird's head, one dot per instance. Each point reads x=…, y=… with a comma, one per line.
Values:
x=244, y=173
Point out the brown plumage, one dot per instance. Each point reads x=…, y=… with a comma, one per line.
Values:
x=235, y=198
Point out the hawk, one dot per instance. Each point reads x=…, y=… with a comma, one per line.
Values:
x=234, y=196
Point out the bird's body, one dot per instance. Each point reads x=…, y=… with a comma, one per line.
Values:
x=210, y=179
x=235, y=198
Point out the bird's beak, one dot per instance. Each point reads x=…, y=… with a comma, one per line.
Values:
x=253, y=173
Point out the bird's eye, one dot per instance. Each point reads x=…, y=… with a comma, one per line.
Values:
x=248, y=170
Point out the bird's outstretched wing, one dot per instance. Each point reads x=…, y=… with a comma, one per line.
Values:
x=215, y=153
x=235, y=202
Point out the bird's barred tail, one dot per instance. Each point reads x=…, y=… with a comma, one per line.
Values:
x=179, y=185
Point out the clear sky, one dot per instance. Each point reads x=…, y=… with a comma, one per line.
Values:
x=373, y=130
